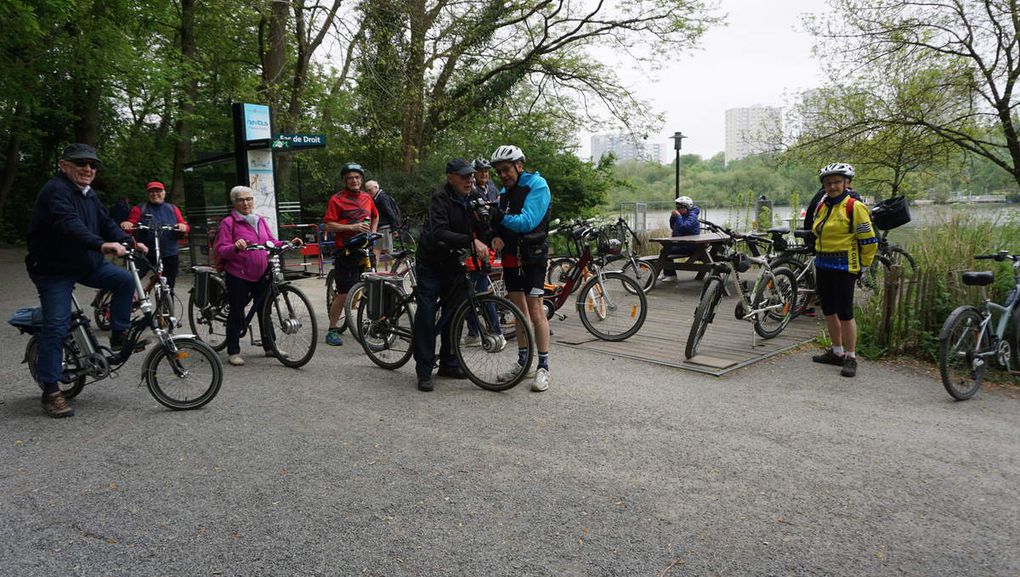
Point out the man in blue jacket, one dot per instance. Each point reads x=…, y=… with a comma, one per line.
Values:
x=522, y=225
x=68, y=235
x=683, y=221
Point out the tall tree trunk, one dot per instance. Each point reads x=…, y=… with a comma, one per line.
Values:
x=183, y=126
x=86, y=109
x=12, y=151
x=411, y=121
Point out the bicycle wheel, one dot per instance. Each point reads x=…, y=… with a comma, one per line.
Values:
x=559, y=269
x=350, y=317
x=187, y=379
x=703, y=315
x=645, y=274
x=101, y=310
x=341, y=323
x=775, y=297
x=871, y=280
x=69, y=366
x=290, y=318
x=1013, y=338
x=209, y=323
x=612, y=308
x=804, y=273
x=960, y=341
x=388, y=341
x=484, y=364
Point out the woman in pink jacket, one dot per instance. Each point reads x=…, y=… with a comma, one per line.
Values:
x=245, y=269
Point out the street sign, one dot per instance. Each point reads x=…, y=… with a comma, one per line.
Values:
x=290, y=141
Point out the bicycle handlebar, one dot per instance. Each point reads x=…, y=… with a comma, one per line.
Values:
x=999, y=256
x=271, y=248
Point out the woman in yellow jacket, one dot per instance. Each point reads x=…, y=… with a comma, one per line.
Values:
x=845, y=245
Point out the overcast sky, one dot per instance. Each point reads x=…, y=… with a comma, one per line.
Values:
x=762, y=56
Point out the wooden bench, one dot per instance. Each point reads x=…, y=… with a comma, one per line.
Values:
x=702, y=248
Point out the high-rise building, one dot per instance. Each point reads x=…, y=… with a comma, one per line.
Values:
x=752, y=130
x=624, y=147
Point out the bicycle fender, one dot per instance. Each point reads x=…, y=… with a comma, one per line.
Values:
x=944, y=331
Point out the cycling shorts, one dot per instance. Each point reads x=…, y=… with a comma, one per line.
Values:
x=529, y=279
x=347, y=271
x=836, y=291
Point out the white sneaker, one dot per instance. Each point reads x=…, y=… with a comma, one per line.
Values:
x=511, y=374
x=664, y=278
x=541, y=381
x=472, y=341
x=236, y=360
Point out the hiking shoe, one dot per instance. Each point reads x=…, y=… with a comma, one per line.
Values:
x=333, y=338
x=57, y=406
x=452, y=372
x=541, y=381
x=425, y=385
x=473, y=341
x=511, y=374
x=828, y=358
x=849, y=367
x=236, y=360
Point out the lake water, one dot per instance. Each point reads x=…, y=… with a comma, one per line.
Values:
x=740, y=219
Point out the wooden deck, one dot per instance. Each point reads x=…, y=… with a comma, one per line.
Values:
x=726, y=345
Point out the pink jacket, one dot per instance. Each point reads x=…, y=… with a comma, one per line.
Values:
x=246, y=264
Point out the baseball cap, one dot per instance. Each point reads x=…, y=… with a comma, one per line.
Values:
x=79, y=151
x=154, y=184
x=460, y=166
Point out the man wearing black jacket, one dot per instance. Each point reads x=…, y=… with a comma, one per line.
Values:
x=68, y=235
x=449, y=225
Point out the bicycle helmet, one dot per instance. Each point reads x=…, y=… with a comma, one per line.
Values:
x=840, y=168
x=507, y=153
x=351, y=167
x=685, y=200
x=481, y=164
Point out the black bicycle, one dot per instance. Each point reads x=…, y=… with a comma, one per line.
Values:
x=288, y=319
x=180, y=371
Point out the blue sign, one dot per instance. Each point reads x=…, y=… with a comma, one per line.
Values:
x=256, y=122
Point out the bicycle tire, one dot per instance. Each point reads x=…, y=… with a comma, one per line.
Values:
x=618, y=303
x=1013, y=338
x=290, y=317
x=778, y=288
x=958, y=340
x=341, y=323
x=703, y=315
x=203, y=370
x=101, y=310
x=559, y=269
x=802, y=271
x=69, y=387
x=645, y=276
x=210, y=322
x=354, y=298
x=497, y=354
x=389, y=341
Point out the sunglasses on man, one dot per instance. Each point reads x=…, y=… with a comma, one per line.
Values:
x=80, y=162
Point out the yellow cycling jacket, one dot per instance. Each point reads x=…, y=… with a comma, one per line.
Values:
x=844, y=237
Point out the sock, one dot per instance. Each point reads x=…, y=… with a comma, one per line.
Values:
x=522, y=356
x=838, y=351
x=851, y=354
x=543, y=361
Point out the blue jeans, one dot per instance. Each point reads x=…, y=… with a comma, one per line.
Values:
x=433, y=285
x=55, y=298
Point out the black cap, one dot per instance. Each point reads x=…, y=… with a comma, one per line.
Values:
x=80, y=151
x=459, y=166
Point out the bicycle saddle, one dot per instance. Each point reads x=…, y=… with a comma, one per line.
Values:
x=978, y=278
x=779, y=230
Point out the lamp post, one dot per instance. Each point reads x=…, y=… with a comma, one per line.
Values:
x=678, y=138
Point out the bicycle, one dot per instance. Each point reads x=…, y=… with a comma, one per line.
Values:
x=887, y=256
x=768, y=304
x=799, y=259
x=611, y=305
x=180, y=372
x=288, y=319
x=385, y=321
x=969, y=343
x=613, y=246
x=166, y=301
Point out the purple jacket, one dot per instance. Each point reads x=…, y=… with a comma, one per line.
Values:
x=246, y=264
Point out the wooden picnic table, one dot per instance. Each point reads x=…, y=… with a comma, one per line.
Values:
x=703, y=246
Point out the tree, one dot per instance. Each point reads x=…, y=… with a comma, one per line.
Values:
x=961, y=56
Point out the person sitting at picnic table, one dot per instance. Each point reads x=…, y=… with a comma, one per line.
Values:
x=683, y=221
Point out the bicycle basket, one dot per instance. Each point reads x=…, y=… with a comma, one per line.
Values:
x=380, y=302
x=890, y=213
x=610, y=240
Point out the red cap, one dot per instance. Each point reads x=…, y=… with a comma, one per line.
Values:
x=154, y=184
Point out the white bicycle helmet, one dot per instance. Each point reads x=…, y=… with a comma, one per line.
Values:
x=840, y=168
x=685, y=200
x=507, y=153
